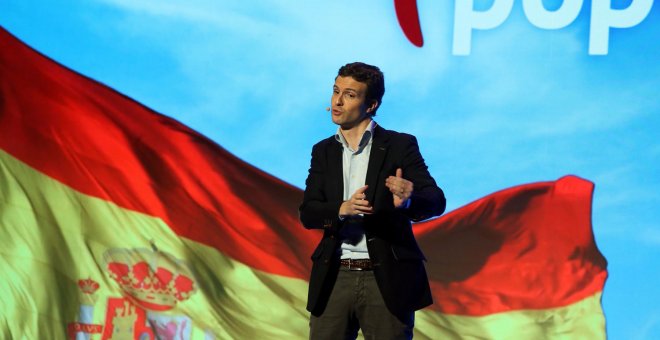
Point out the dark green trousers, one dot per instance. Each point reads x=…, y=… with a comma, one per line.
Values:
x=356, y=303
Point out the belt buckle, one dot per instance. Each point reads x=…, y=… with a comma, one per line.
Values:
x=355, y=267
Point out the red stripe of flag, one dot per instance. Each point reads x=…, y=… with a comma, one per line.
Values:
x=526, y=247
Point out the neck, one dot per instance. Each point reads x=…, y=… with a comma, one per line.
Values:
x=353, y=133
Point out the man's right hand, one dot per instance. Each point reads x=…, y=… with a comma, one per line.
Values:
x=357, y=204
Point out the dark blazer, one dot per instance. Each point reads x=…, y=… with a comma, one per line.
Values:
x=398, y=262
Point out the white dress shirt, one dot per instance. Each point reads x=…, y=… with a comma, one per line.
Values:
x=355, y=164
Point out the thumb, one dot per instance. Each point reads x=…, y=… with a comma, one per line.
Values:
x=361, y=190
x=399, y=173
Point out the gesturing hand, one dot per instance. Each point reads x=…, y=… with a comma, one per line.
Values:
x=357, y=204
x=400, y=188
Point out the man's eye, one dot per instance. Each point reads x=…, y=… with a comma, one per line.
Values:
x=350, y=95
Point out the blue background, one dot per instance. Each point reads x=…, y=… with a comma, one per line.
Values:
x=526, y=105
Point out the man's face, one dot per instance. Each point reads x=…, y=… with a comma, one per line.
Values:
x=349, y=106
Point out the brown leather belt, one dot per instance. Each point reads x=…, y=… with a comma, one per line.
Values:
x=357, y=264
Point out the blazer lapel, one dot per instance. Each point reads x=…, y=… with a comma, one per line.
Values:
x=379, y=149
x=336, y=169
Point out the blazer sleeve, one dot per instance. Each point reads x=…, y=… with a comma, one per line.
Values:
x=316, y=212
x=427, y=199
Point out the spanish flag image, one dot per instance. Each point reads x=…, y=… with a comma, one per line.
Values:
x=117, y=222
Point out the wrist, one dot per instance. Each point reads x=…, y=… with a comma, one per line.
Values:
x=342, y=211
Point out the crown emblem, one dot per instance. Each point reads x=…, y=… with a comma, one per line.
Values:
x=154, y=280
x=87, y=289
x=88, y=286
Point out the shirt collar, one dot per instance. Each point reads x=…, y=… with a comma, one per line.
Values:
x=364, y=141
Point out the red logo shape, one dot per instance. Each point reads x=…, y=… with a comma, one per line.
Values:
x=408, y=16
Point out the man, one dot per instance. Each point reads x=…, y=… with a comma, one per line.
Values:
x=365, y=185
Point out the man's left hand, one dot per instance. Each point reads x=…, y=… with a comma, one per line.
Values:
x=400, y=188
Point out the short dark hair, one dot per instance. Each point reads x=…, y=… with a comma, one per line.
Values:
x=370, y=75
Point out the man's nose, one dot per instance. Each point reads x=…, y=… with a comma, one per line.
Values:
x=339, y=100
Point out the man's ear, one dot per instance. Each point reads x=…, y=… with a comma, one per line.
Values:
x=372, y=107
